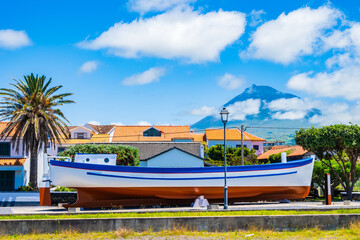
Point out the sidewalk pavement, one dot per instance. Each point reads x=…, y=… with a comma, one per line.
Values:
x=24, y=210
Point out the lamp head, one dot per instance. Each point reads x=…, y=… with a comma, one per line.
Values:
x=224, y=115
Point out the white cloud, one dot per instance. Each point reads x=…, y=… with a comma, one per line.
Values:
x=94, y=123
x=338, y=113
x=117, y=123
x=347, y=42
x=12, y=39
x=178, y=33
x=340, y=60
x=289, y=36
x=144, y=6
x=339, y=83
x=289, y=115
x=239, y=110
x=149, y=76
x=204, y=111
x=89, y=66
x=288, y=104
x=337, y=39
x=231, y=82
x=256, y=18
x=290, y=108
x=143, y=123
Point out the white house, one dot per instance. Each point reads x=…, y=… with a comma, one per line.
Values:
x=233, y=138
x=173, y=157
x=15, y=164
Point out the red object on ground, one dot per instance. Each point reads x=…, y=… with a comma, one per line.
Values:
x=45, y=198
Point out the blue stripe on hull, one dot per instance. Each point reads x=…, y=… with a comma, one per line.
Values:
x=203, y=178
x=98, y=167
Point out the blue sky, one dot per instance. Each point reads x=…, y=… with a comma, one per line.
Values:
x=175, y=61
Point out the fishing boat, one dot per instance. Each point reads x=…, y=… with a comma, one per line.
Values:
x=105, y=186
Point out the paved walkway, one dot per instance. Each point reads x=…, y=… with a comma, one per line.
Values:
x=240, y=206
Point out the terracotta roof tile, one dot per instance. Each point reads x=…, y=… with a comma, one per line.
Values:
x=231, y=134
x=96, y=138
x=135, y=133
x=296, y=151
x=102, y=129
x=3, y=126
x=12, y=161
x=198, y=137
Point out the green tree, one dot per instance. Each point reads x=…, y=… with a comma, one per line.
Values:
x=233, y=155
x=275, y=158
x=32, y=109
x=340, y=143
x=125, y=155
x=319, y=172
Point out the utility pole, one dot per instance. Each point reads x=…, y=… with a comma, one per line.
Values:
x=242, y=145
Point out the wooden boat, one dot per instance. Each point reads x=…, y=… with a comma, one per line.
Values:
x=105, y=186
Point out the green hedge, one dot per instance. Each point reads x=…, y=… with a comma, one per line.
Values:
x=126, y=155
x=276, y=158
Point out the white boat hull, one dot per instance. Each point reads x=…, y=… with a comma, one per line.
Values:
x=113, y=184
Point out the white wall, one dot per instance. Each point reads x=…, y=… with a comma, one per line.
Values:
x=80, y=130
x=13, y=152
x=228, y=143
x=261, y=146
x=174, y=158
x=248, y=144
x=20, y=172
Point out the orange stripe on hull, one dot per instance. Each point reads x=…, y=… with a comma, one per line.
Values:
x=107, y=197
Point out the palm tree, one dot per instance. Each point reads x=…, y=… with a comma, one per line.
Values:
x=34, y=117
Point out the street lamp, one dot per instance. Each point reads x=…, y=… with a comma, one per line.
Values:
x=224, y=118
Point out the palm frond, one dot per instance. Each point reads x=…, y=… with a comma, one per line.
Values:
x=29, y=108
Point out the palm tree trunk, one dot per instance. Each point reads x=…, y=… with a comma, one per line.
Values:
x=34, y=167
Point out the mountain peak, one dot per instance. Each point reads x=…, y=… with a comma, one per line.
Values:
x=263, y=118
x=260, y=92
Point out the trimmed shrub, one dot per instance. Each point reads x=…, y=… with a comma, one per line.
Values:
x=276, y=158
x=126, y=155
x=215, y=156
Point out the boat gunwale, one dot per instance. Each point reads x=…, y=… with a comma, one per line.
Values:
x=132, y=169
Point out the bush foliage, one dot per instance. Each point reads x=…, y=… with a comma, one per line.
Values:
x=276, y=158
x=28, y=188
x=215, y=155
x=126, y=155
x=338, y=143
x=64, y=189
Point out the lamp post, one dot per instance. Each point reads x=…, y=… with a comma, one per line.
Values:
x=224, y=118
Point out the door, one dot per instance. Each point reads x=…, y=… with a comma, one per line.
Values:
x=7, y=180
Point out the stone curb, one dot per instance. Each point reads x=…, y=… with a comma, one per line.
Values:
x=212, y=224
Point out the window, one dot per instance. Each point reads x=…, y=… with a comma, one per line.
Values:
x=5, y=149
x=152, y=132
x=239, y=146
x=81, y=135
x=256, y=147
x=7, y=180
x=181, y=140
x=61, y=149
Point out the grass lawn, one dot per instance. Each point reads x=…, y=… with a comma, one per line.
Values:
x=181, y=214
x=353, y=232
